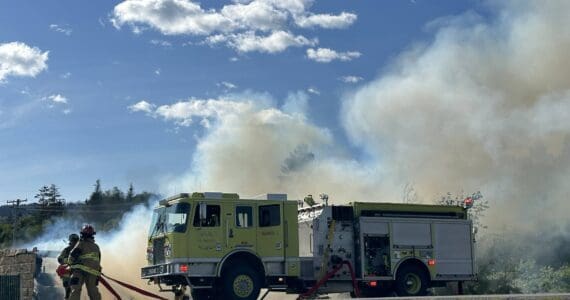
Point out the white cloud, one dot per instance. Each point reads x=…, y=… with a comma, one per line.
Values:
x=58, y=98
x=157, y=72
x=327, y=21
x=65, y=75
x=313, y=90
x=61, y=29
x=19, y=59
x=66, y=111
x=243, y=25
x=227, y=85
x=350, y=79
x=277, y=41
x=170, y=16
x=257, y=15
x=234, y=59
x=183, y=112
x=216, y=39
x=326, y=55
x=162, y=43
x=142, y=106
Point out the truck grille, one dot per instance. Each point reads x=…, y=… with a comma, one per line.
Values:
x=158, y=251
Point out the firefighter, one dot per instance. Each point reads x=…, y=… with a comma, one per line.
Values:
x=62, y=259
x=85, y=262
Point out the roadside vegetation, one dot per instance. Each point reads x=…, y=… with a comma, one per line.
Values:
x=104, y=209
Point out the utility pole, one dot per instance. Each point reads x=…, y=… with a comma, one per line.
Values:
x=15, y=208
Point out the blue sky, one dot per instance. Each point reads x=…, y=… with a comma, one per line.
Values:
x=73, y=120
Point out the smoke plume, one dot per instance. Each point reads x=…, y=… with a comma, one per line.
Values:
x=484, y=106
x=262, y=148
x=123, y=252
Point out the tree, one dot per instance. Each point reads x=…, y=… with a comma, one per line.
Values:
x=117, y=196
x=43, y=195
x=130, y=193
x=49, y=196
x=54, y=197
x=96, y=197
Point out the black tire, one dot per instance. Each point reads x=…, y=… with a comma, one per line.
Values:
x=202, y=294
x=411, y=281
x=241, y=282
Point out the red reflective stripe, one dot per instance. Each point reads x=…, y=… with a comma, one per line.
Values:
x=134, y=288
x=108, y=286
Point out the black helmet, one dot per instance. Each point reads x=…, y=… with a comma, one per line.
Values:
x=73, y=238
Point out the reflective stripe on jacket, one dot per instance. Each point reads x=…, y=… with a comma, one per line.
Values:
x=86, y=269
x=93, y=256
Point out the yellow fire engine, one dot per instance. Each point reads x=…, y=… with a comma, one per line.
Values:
x=218, y=246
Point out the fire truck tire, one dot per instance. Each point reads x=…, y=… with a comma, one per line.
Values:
x=241, y=282
x=411, y=280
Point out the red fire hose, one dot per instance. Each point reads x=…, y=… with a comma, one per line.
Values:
x=327, y=276
x=126, y=285
x=109, y=287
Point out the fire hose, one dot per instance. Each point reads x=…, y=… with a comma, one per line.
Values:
x=126, y=285
x=64, y=270
x=328, y=275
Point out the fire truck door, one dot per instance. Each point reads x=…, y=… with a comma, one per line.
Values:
x=240, y=227
x=270, y=240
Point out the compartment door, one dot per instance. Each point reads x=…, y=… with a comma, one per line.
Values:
x=453, y=253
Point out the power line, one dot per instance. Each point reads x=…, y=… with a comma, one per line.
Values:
x=16, y=203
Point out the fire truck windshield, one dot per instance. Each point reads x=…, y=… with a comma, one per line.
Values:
x=169, y=219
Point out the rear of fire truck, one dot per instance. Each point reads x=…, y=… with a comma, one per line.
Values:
x=377, y=249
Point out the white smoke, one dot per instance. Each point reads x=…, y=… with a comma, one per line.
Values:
x=484, y=106
x=123, y=251
x=263, y=148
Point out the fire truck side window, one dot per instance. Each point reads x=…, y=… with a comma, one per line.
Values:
x=269, y=215
x=244, y=216
x=212, y=217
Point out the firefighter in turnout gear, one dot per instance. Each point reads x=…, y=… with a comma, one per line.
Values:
x=85, y=262
x=62, y=259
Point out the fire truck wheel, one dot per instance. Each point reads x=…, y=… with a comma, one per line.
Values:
x=241, y=282
x=411, y=281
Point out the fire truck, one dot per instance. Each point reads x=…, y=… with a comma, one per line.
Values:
x=218, y=246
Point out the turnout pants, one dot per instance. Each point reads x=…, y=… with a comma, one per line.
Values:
x=66, y=287
x=78, y=278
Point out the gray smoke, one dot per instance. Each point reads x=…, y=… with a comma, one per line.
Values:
x=484, y=106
